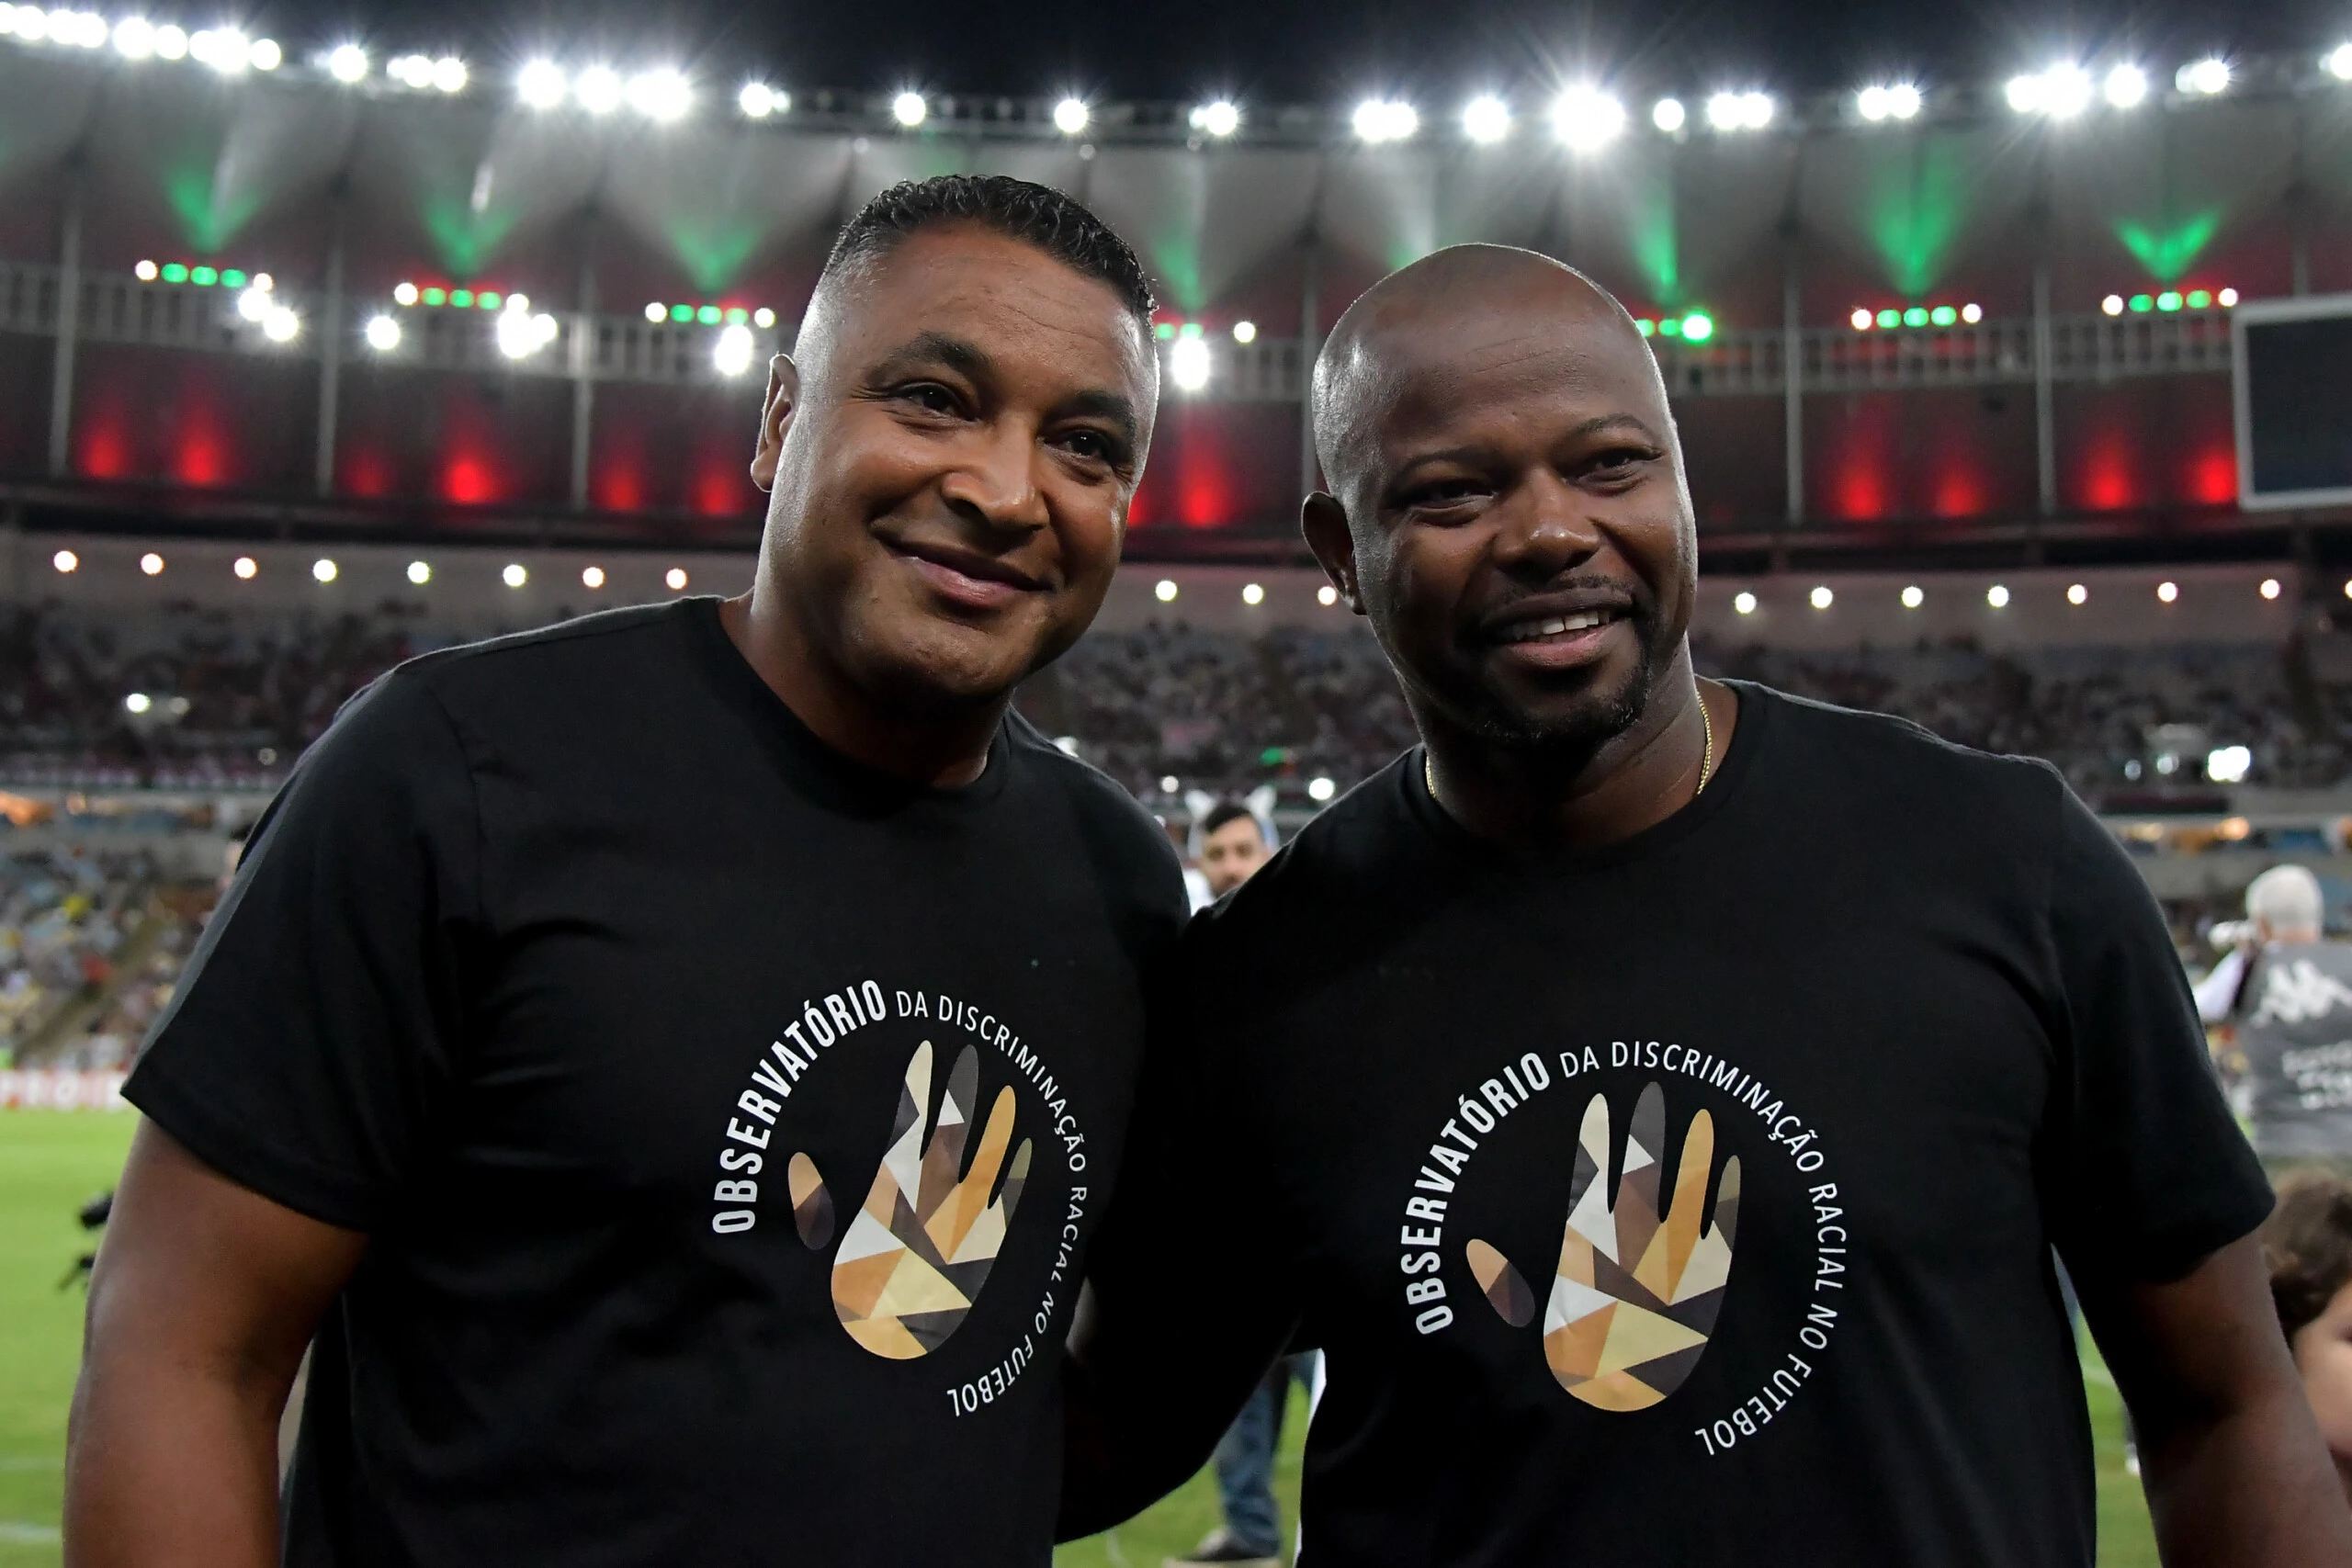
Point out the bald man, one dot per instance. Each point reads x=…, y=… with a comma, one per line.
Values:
x=1660, y=1099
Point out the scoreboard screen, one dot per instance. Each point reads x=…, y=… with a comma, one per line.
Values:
x=2293, y=365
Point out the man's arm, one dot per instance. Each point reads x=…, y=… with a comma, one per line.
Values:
x=204, y=1297
x=2235, y=1472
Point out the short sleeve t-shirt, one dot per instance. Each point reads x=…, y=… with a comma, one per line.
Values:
x=728, y=1122
x=1691, y=1201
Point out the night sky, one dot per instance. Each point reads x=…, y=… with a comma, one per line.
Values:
x=1316, y=51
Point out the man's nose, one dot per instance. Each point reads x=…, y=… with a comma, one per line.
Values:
x=1544, y=527
x=995, y=478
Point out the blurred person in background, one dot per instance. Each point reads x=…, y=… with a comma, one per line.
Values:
x=588, y=1048
x=2287, y=993
x=2307, y=1242
x=1234, y=843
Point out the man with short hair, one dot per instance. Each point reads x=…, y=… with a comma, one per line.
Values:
x=2292, y=1026
x=1233, y=846
x=673, y=1061
x=1659, y=1099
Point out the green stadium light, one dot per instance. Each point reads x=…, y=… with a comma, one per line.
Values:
x=175, y=273
x=2198, y=298
x=1889, y=318
x=681, y=314
x=1698, y=326
x=2168, y=300
x=1669, y=327
x=1164, y=331
x=437, y=295
x=1943, y=315
x=707, y=315
x=489, y=300
x=737, y=316
x=1647, y=326
x=1917, y=316
x=1189, y=330
x=462, y=298
x=204, y=276
x=232, y=278
x=2142, y=302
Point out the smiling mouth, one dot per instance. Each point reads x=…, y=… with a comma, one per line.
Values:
x=1559, y=626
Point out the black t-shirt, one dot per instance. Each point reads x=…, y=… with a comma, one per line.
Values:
x=691, y=1082
x=1470, y=1119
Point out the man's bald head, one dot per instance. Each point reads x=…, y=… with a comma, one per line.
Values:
x=1410, y=334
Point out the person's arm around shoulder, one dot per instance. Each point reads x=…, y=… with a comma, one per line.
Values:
x=300, y=1068
x=203, y=1299
x=2153, y=1196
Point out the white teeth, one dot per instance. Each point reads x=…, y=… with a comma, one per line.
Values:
x=1583, y=620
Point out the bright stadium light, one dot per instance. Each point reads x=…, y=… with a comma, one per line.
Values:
x=419, y=573
x=1899, y=101
x=347, y=63
x=1253, y=593
x=2227, y=298
x=134, y=37
x=1821, y=598
x=514, y=575
x=592, y=577
x=224, y=49
x=2339, y=62
x=758, y=100
x=2078, y=594
x=675, y=579
x=171, y=42
x=138, y=702
x=909, y=109
x=599, y=89
x=2167, y=592
x=1914, y=596
x=733, y=353
x=2208, y=78
x=146, y=272
x=1378, y=120
x=1485, y=119
x=1071, y=116
x=411, y=71
x=1744, y=603
x=1187, y=364
x=2270, y=588
x=2126, y=87
x=247, y=567
x=2112, y=305
x=281, y=325
x=152, y=564
x=265, y=54
x=1668, y=114
x=1244, y=331
x=66, y=561
x=2228, y=764
x=540, y=85
x=661, y=96
x=1219, y=116
x=1585, y=117
x=30, y=23
x=1327, y=596
x=1861, y=319
x=1739, y=111
x=1320, y=788
x=1164, y=590
x=2061, y=92
x=1997, y=597
x=325, y=570
x=450, y=73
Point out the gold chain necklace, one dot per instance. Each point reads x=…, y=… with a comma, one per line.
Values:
x=1706, y=758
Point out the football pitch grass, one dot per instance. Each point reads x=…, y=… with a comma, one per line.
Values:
x=52, y=1161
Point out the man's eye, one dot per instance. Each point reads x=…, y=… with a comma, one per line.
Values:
x=929, y=396
x=1092, y=445
x=1617, y=464
x=1445, y=493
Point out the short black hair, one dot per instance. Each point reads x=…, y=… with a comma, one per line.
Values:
x=2307, y=1244
x=1226, y=811
x=1033, y=214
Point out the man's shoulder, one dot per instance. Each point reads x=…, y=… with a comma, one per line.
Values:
x=1330, y=863
x=558, y=652
x=1127, y=840
x=1892, y=761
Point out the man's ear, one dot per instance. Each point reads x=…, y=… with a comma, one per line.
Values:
x=1325, y=523
x=775, y=418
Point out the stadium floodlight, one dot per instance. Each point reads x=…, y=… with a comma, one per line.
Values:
x=1668, y=114
x=1320, y=788
x=1219, y=117
x=2339, y=62
x=2206, y=78
x=2167, y=592
x=1327, y=596
x=1071, y=116
x=1971, y=313
x=1739, y=111
x=171, y=42
x=30, y=23
x=2078, y=594
x=419, y=573
x=592, y=577
x=1904, y=100
x=1698, y=326
x=404, y=294
x=245, y=567
x=1997, y=597
x=1187, y=364
x=383, y=333
x=758, y=100
x=1244, y=331
x=540, y=85
x=1861, y=318
x=146, y=272
x=90, y=30
x=450, y=73
x=134, y=37
x=1585, y=118
x=515, y=574
x=1914, y=596
x=518, y=336
x=2061, y=92
x=254, y=304
x=138, y=702
x=2270, y=588
x=265, y=54
x=599, y=89
x=1744, y=603
x=1253, y=593
x=152, y=564
x=281, y=325
x=675, y=579
x=1378, y=120
x=1879, y=103
x=2228, y=764
x=224, y=49
x=66, y=561
x=763, y=317
x=733, y=353
x=660, y=95
x=656, y=312
x=411, y=71
x=1164, y=590
x=1485, y=119
x=909, y=109
x=347, y=63
x=2227, y=298
x=325, y=570
x=2126, y=86
x=1821, y=598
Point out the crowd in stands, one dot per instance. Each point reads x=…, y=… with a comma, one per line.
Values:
x=193, y=697
x=90, y=946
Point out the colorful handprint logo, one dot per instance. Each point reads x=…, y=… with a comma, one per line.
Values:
x=915, y=1257
x=1635, y=1296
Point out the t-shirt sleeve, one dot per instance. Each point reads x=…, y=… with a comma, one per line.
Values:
x=2144, y=1172
x=308, y=1043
